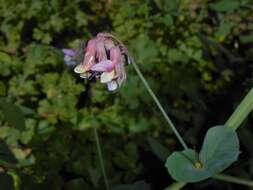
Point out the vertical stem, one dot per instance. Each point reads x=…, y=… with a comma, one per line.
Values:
x=179, y=137
x=241, y=112
x=100, y=156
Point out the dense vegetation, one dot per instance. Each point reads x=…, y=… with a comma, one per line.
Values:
x=196, y=54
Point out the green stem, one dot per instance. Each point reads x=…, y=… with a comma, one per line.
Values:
x=100, y=156
x=232, y=179
x=176, y=186
x=179, y=137
x=241, y=112
x=221, y=177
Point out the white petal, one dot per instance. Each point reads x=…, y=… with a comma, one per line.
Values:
x=85, y=75
x=111, y=86
x=79, y=69
x=67, y=58
x=107, y=76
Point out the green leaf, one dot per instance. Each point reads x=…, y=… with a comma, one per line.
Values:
x=220, y=148
x=224, y=29
x=6, y=156
x=12, y=114
x=181, y=167
x=226, y=5
x=4, y=57
x=168, y=20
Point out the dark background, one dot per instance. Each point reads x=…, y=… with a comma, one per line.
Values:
x=196, y=54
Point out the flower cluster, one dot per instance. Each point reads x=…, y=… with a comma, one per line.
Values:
x=103, y=57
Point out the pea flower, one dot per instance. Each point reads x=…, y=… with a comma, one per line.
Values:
x=104, y=57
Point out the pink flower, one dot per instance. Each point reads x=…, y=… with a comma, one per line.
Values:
x=89, y=58
x=105, y=58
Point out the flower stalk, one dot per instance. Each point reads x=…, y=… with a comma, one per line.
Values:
x=100, y=154
x=152, y=94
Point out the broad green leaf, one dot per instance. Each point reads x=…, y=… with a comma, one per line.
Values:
x=220, y=148
x=181, y=167
x=12, y=114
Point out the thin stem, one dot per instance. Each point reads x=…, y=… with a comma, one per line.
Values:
x=232, y=179
x=241, y=112
x=179, y=137
x=100, y=156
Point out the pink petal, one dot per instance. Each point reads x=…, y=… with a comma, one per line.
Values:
x=91, y=46
x=115, y=55
x=89, y=57
x=103, y=66
x=100, y=50
x=117, y=58
x=109, y=44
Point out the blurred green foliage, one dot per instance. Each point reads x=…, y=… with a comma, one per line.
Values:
x=196, y=54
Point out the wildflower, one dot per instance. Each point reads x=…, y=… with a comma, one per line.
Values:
x=104, y=57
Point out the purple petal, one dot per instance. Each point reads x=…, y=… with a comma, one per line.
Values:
x=68, y=52
x=111, y=86
x=103, y=66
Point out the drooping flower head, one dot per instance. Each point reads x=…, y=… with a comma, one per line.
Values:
x=104, y=57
